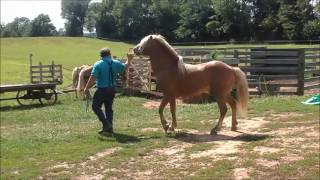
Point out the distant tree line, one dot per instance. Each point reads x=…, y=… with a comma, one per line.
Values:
x=206, y=20
x=23, y=27
x=181, y=20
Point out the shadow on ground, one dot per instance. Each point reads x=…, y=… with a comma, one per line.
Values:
x=120, y=138
x=201, y=138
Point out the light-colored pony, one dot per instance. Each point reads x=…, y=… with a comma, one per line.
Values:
x=80, y=76
x=177, y=79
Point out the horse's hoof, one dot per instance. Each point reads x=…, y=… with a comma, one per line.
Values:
x=213, y=132
x=233, y=128
x=171, y=128
x=165, y=128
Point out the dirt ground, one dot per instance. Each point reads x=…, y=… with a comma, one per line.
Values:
x=183, y=157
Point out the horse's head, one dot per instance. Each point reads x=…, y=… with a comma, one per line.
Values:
x=143, y=48
x=155, y=45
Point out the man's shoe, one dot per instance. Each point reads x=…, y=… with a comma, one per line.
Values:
x=106, y=133
x=109, y=129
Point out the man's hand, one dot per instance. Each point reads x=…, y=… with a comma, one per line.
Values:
x=86, y=94
x=90, y=83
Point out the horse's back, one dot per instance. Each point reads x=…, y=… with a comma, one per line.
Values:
x=222, y=77
x=214, y=76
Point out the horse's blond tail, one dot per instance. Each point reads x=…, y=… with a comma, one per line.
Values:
x=75, y=77
x=242, y=91
x=81, y=83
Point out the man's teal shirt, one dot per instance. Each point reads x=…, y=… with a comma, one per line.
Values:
x=101, y=71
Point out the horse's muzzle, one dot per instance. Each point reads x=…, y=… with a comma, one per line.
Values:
x=137, y=50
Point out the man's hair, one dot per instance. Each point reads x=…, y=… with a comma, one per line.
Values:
x=105, y=52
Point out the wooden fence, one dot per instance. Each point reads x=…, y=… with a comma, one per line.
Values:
x=269, y=71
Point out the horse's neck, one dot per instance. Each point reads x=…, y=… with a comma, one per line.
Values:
x=161, y=61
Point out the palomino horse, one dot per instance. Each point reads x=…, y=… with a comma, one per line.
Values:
x=177, y=79
x=80, y=76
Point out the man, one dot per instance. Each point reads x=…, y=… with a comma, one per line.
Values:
x=104, y=76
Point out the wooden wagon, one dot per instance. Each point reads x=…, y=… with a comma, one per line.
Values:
x=42, y=89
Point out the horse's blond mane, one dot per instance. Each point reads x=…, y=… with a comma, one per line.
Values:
x=181, y=65
x=163, y=41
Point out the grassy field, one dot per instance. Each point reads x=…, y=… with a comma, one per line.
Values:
x=61, y=141
x=70, y=52
x=278, y=140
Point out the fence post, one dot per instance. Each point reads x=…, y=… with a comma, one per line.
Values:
x=301, y=66
x=30, y=60
x=40, y=68
x=53, y=72
x=236, y=56
x=129, y=59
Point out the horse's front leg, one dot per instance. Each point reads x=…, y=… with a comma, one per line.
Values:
x=164, y=124
x=173, y=113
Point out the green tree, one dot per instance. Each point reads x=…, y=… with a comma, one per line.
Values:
x=42, y=26
x=74, y=11
x=193, y=19
x=19, y=27
x=92, y=16
x=2, y=27
x=311, y=29
x=265, y=20
x=133, y=18
x=231, y=20
x=105, y=21
x=165, y=17
x=292, y=17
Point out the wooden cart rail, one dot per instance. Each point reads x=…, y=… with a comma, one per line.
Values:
x=27, y=94
x=19, y=87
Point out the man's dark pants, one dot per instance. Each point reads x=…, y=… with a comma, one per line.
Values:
x=104, y=96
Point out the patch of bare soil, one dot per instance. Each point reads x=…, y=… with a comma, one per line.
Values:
x=182, y=158
x=151, y=104
x=278, y=116
x=65, y=168
x=267, y=163
x=307, y=137
x=154, y=104
x=292, y=157
x=241, y=173
x=179, y=157
x=150, y=129
x=264, y=150
x=222, y=148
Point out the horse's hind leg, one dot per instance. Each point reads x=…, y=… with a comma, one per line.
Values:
x=232, y=103
x=223, y=110
x=163, y=104
x=173, y=113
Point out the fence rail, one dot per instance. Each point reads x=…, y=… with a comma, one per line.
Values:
x=271, y=71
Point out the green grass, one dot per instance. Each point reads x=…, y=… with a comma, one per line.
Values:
x=70, y=52
x=33, y=139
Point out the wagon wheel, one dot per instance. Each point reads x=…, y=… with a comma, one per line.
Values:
x=48, y=97
x=26, y=97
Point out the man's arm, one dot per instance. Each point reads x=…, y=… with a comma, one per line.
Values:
x=90, y=83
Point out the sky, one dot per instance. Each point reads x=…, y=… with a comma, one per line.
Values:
x=11, y=9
